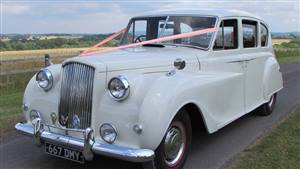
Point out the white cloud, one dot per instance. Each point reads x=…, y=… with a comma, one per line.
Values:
x=108, y=16
x=96, y=22
x=281, y=15
x=15, y=9
x=68, y=18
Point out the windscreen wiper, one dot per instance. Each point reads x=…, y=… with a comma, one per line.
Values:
x=154, y=45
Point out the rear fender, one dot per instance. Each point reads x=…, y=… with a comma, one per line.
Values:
x=272, y=79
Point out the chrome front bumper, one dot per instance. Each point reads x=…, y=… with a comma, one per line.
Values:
x=87, y=145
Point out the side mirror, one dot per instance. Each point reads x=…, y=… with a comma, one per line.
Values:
x=47, y=60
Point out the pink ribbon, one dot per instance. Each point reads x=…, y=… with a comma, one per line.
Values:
x=162, y=39
x=103, y=41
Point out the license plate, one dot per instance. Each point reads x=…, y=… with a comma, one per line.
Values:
x=65, y=153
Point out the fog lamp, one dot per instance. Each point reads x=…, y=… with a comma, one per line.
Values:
x=108, y=133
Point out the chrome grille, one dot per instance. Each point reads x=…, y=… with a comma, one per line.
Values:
x=75, y=107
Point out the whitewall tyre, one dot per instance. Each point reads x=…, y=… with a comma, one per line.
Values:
x=176, y=145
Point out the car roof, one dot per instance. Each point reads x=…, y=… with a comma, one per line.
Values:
x=199, y=12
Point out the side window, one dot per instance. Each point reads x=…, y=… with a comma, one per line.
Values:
x=227, y=35
x=129, y=37
x=184, y=28
x=140, y=29
x=263, y=35
x=168, y=29
x=249, y=33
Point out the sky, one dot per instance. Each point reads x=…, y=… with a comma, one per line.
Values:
x=100, y=16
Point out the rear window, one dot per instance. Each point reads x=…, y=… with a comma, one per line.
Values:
x=263, y=35
x=249, y=33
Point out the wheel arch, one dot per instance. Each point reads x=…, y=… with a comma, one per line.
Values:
x=196, y=117
x=198, y=122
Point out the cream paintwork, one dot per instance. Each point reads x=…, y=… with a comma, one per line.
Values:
x=222, y=91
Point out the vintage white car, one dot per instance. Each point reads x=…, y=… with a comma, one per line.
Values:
x=141, y=103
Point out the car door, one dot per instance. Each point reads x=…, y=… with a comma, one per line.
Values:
x=255, y=59
x=225, y=58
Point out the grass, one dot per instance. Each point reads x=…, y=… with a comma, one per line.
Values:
x=11, y=94
x=14, y=83
x=10, y=105
x=10, y=111
x=287, y=55
x=279, y=149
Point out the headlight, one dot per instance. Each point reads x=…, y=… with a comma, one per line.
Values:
x=118, y=88
x=34, y=114
x=44, y=79
x=108, y=133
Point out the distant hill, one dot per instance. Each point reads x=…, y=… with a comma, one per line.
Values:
x=285, y=35
x=9, y=42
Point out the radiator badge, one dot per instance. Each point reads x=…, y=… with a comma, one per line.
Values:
x=63, y=120
x=53, y=117
x=76, y=122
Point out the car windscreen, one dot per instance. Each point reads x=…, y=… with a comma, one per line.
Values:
x=148, y=28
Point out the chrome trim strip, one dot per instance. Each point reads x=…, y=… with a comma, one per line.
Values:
x=236, y=61
x=244, y=60
x=247, y=60
x=62, y=128
x=110, y=150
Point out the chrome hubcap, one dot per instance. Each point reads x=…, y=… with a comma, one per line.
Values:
x=174, y=144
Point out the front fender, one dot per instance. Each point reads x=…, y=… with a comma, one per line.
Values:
x=45, y=102
x=169, y=94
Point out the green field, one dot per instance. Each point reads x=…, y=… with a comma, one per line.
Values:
x=286, y=56
x=288, y=51
x=11, y=96
x=10, y=111
x=279, y=149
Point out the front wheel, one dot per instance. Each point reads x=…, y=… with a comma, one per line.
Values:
x=268, y=108
x=176, y=145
